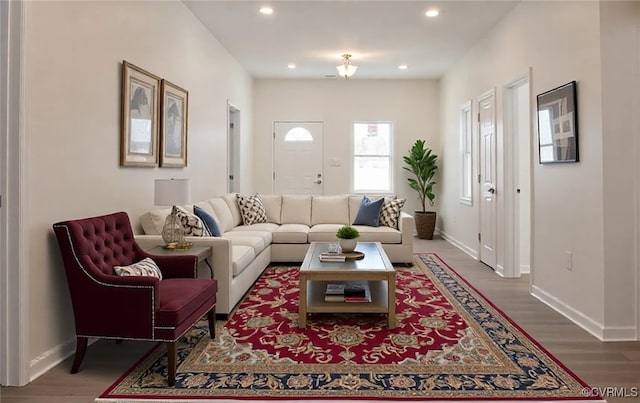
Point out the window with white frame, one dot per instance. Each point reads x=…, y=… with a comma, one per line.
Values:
x=466, y=167
x=372, y=157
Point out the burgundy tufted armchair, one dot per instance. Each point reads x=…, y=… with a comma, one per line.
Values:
x=137, y=307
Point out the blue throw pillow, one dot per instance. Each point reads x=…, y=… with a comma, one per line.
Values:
x=369, y=212
x=209, y=222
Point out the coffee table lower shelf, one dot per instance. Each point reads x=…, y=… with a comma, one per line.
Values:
x=316, y=302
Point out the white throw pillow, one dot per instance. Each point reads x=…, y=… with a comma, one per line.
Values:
x=145, y=267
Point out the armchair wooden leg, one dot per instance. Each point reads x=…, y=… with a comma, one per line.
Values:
x=81, y=348
x=211, y=317
x=171, y=363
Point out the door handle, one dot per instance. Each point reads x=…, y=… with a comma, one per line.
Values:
x=492, y=190
x=319, y=181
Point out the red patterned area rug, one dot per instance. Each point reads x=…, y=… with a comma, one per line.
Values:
x=450, y=343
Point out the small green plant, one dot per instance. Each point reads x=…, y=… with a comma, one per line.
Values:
x=347, y=232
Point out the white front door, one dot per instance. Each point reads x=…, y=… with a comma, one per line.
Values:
x=297, y=158
x=488, y=204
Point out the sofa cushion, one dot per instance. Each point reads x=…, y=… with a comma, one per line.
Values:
x=324, y=233
x=207, y=207
x=265, y=235
x=209, y=222
x=252, y=209
x=223, y=214
x=380, y=234
x=296, y=210
x=390, y=212
x=369, y=212
x=291, y=233
x=145, y=267
x=354, y=206
x=329, y=210
x=153, y=221
x=232, y=202
x=273, y=207
x=246, y=238
x=241, y=257
x=262, y=227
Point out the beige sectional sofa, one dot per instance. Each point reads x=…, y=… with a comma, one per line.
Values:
x=242, y=253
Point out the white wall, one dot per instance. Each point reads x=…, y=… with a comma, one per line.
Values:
x=75, y=50
x=411, y=104
x=561, y=42
x=620, y=28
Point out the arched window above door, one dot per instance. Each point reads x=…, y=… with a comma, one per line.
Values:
x=298, y=134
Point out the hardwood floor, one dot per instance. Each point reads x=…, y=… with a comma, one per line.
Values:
x=599, y=364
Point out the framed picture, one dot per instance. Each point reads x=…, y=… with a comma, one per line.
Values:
x=173, y=131
x=558, y=124
x=140, y=117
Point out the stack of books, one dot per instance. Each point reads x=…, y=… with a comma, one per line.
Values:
x=348, y=291
x=332, y=257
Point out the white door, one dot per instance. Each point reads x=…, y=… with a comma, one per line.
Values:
x=297, y=157
x=488, y=216
x=233, y=152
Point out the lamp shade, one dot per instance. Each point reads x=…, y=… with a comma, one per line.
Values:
x=171, y=192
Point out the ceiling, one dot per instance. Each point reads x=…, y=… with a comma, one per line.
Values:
x=380, y=35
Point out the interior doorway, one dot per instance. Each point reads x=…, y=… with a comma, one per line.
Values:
x=518, y=194
x=233, y=148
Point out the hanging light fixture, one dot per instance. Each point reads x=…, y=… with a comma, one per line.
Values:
x=346, y=69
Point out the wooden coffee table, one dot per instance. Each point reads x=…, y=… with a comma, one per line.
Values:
x=375, y=267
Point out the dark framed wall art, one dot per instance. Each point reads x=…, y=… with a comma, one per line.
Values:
x=558, y=124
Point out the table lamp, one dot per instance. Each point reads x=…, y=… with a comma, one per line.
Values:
x=172, y=192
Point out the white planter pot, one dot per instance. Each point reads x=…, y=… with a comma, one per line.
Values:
x=348, y=245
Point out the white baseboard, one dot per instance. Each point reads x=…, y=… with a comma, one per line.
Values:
x=588, y=324
x=628, y=333
x=466, y=249
x=525, y=269
x=49, y=359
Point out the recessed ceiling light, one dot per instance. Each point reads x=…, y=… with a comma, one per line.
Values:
x=432, y=13
x=291, y=66
x=266, y=10
x=403, y=67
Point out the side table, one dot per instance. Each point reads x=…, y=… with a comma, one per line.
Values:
x=202, y=252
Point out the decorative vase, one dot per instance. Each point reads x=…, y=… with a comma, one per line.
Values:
x=172, y=232
x=348, y=245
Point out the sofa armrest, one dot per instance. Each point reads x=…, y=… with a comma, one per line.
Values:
x=406, y=225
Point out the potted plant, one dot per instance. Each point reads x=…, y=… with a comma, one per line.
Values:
x=347, y=235
x=421, y=162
